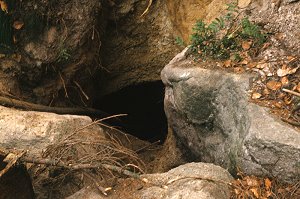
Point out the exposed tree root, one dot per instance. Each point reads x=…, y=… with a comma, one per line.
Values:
x=10, y=102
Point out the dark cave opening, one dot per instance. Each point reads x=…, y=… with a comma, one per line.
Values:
x=145, y=108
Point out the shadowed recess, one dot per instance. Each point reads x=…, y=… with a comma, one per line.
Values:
x=145, y=108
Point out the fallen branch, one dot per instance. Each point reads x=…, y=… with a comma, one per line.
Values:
x=10, y=102
x=291, y=92
x=51, y=162
x=11, y=160
x=294, y=123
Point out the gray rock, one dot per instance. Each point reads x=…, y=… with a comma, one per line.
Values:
x=209, y=111
x=191, y=183
x=86, y=193
x=34, y=131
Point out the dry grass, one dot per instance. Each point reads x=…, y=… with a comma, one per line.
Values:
x=88, y=159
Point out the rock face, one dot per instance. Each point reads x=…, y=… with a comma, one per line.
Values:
x=34, y=131
x=189, y=187
x=191, y=183
x=54, y=34
x=209, y=111
x=135, y=48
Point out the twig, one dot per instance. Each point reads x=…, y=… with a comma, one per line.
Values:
x=291, y=122
x=147, y=146
x=12, y=159
x=291, y=92
x=94, y=122
x=147, y=9
x=80, y=88
x=59, y=110
x=99, y=187
x=64, y=85
x=51, y=162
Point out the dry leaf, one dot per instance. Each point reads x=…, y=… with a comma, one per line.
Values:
x=246, y=45
x=298, y=87
x=268, y=71
x=286, y=71
x=227, y=63
x=281, y=95
x=291, y=58
x=274, y=85
x=252, y=181
x=263, y=65
x=239, y=70
x=268, y=184
x=266, y=45
x=17, y=57
x=15, y=39
x=18, y=25
x=245, y=62
x=237, y=191
x=251, y=65
x=280, y=190
x=2, y=55
x=284, y=81
x=3, y=6
x=279, y=36
x=266, y=91
x=256, y=95
x=268, y=194
x=287, y=100
x=255, y=192
x=278, y=105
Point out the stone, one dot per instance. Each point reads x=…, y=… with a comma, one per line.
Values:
x=191, y=183
x=34, y=131
x=209, y=111
x=194, y=180
x=86, y=193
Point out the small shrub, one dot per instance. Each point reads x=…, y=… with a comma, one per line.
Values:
x=64, y=55
x=223, y=37
x=179, y=41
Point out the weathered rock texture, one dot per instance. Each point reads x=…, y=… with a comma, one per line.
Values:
x=210, y=113
x=135, y=48
x=189, y=187
x=194, y=181
x=34, y=131
x=56, y=46
x=279, y=17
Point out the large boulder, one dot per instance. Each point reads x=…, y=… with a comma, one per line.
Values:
x=188, y=181
x=35, y=131
x=209, y=111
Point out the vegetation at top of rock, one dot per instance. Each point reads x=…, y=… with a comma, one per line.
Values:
x=226, y=37
x=179, y=41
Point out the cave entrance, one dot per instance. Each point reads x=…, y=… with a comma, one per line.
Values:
x=145, y=108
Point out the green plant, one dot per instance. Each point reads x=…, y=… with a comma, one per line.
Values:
x=223, y=37
x=64, y=55
x=179, y=41
x=252, y=31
